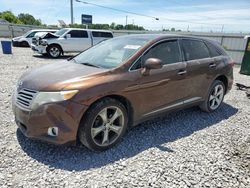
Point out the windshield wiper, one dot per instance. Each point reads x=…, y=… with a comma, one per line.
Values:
x=92, y=65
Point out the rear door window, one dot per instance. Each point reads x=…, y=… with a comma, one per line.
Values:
x=194, y=49
x=102, y=34
x=78, y=34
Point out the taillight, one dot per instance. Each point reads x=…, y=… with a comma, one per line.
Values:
x=231, y=62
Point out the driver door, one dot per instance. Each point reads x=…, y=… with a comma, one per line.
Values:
x=164, y=88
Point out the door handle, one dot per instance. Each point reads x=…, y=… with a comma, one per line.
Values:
x=212, y=65
x=182, y=72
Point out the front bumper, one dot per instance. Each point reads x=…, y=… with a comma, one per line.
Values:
x=39, y=49
x=65, y=116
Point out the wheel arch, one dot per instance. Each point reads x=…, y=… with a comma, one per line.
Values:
x=127, y=104
x=224, y=79
x=56, y=44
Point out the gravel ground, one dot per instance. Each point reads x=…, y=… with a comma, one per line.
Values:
x=188, y=148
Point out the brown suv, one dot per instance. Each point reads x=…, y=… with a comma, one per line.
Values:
x=118, y=83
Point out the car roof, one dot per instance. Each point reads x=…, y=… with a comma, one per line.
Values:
x=160, y=36
x=89, y=29
x=43, y=30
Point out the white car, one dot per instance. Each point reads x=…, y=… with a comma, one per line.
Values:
x=69, y=40
x=26, y=39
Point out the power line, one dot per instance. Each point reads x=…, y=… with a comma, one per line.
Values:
x=118, y=10
x=144, y=15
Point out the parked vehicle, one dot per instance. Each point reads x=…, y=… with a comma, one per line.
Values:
x=118, y=83
x=26, y=39
x=69, y=40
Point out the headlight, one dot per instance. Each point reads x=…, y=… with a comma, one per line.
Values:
x=43, y=42
x=49, y=97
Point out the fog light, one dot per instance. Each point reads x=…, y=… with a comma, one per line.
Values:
x=53, y=131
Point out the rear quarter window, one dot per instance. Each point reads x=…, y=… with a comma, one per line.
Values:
x=102, y=34
x=214, y=51
x=194, y=49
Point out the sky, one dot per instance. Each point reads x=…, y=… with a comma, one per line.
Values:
x=193, y=15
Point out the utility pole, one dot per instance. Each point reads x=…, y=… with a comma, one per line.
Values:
x=71, y=11
x=222, y=28
x=126, y=22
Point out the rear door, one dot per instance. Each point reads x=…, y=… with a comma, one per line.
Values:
x=200, y=66
x=98, y=36
x=78, y=41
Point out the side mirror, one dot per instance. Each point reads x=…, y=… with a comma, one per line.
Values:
x=67, y=36
x=151, y=63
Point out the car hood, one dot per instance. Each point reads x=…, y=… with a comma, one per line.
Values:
x=49, y=36
x=57, y=76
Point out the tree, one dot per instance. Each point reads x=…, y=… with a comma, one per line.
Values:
x=29, y=19
x=172, y=29
x=112, y=25
x=10, y=17
x=119, y=27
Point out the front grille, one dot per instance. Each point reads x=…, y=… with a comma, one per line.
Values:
x=24, y=97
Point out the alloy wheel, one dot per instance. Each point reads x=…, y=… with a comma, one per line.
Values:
x=216, y=97
x=107, y=126
x=54, y=52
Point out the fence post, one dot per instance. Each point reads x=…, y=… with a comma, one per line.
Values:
x=11, y=31
x=221, y=41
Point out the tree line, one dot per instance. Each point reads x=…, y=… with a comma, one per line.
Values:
x=27, y=19
x=107, y=26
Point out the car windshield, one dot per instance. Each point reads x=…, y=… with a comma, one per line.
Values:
x=111, y=53
x=61, y=32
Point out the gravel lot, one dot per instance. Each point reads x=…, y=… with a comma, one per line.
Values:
x=188, y=148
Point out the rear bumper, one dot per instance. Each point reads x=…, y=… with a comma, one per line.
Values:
x=65, y=116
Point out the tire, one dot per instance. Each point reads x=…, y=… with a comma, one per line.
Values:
x=99, y=134
x=215, y=97
x=54, y=51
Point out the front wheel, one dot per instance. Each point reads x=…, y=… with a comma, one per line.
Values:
x=103, y=125
x=215, y=97
x=54, y=51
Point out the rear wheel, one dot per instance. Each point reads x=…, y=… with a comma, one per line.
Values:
x=215, y=97
x=103, y=125
x=54, y=51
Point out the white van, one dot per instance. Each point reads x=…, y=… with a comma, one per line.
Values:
x=69, y=40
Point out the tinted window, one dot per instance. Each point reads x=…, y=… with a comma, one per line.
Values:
x=102, y=34
x=213, y=50
x=78, y=34
x=168, y=52
x=194, y=49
